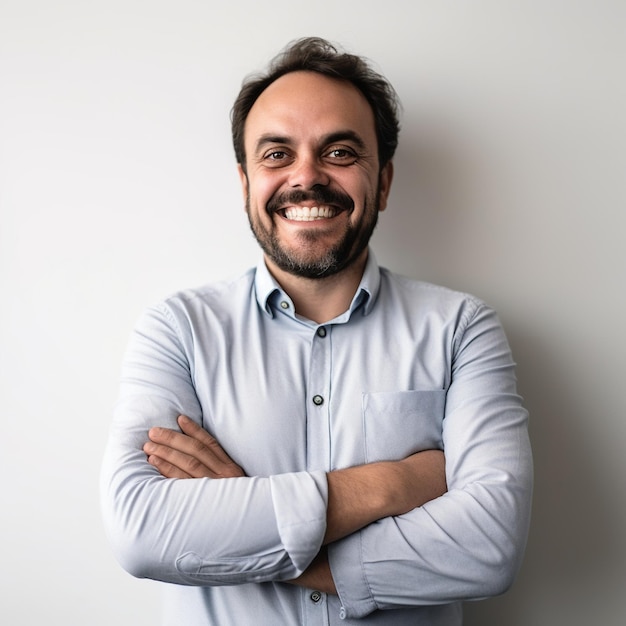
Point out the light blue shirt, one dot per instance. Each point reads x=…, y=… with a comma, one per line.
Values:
x=409, y=366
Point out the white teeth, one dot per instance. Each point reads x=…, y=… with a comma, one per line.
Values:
x=309, y=214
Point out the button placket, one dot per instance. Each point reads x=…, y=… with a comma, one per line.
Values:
x=318, y=398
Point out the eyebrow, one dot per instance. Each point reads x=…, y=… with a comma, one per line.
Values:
x=269, y=139
x=345, y=135
x=337, y=136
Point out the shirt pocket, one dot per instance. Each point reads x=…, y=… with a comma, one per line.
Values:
x=397, y=424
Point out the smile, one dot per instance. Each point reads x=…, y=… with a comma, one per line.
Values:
x=309, y=214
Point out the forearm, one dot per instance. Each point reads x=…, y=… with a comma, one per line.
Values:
x=358, y=496
x=466, y=545
x=232, y=530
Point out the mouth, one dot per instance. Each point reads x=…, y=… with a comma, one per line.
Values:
x=309, y=214
x=310, y=206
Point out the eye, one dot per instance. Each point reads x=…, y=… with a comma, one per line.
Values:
x=277, y=155
x=341, y=155
x=276, y=158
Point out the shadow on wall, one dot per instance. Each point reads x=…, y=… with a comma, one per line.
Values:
x=422, y=232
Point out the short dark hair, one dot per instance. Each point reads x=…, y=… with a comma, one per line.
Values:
x=318, y=55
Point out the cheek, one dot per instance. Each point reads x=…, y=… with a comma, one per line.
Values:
x=261, y=189
x=259, y=194
x=361, y=189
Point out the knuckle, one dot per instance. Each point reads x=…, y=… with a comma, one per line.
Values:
x=207, y=439
x=214, y=446
x=166, y=435
x=198, y=447
x=195, y=466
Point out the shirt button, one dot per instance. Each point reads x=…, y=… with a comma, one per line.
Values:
x=321, y=332
x=318, y=400
x=316, y=596
x=284, y=304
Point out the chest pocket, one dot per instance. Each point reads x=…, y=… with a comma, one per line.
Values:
x=397, y=424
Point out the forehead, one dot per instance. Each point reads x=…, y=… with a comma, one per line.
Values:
x=306, y=105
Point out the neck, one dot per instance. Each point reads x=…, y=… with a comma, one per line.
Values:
x=321, y=300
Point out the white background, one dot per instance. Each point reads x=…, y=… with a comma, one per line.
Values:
x=118, y=186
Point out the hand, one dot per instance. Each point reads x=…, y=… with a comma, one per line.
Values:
x=192, y=453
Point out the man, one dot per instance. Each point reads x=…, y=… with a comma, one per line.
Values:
x=278, y=447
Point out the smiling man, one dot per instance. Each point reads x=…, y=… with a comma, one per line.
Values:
x=320, y=441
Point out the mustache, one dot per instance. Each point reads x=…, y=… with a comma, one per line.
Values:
x=319, y=195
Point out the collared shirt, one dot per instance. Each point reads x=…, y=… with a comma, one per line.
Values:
x=409, y=366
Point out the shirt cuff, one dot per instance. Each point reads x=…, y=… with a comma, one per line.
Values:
x=346, y=565
x=300, y=507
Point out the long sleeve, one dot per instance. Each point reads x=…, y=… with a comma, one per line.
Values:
x=195, y=531
x=469, y=543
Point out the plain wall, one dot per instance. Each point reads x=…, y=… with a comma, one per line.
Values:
x=118, y=187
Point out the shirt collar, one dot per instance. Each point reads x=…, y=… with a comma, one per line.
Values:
x=366, y=294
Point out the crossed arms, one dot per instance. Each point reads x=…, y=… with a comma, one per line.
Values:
x=357, y=496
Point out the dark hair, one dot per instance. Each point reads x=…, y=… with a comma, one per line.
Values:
x=318, y=55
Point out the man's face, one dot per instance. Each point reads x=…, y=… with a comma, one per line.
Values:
x=312, y=183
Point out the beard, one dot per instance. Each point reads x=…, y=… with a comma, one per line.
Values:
x=308, y=262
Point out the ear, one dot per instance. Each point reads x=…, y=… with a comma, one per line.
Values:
x=243, y=179
x=384, y=185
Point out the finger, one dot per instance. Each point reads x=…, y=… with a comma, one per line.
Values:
x=188, y=464
x=199, y=457
x=225, y=466
x=181, y=443
x=195, y=431
x=165, y=468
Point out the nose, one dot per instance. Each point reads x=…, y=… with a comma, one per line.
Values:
x=306, y=172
